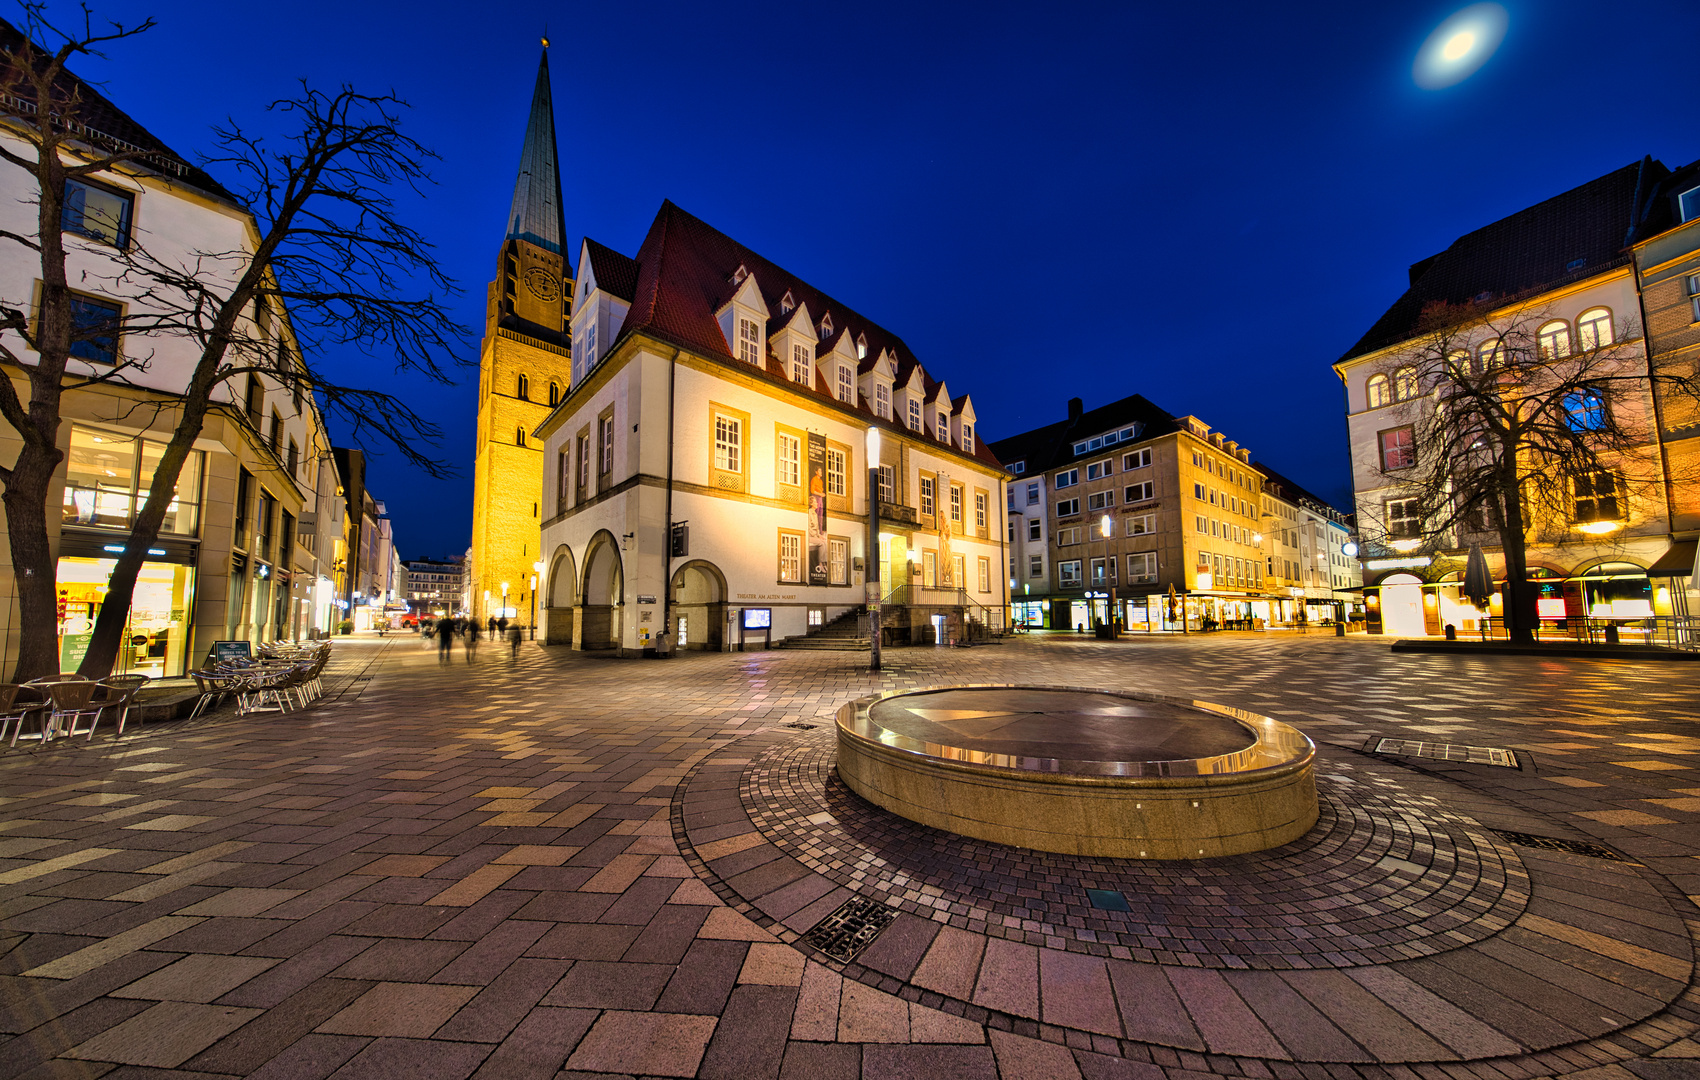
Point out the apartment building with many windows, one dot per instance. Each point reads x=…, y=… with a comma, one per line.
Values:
x=708, y=480
x=1311, y=569
x=1157, y=509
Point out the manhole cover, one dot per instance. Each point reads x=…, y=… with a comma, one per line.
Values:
x=1553, y=843
x=1475, y=755
x=851, y=928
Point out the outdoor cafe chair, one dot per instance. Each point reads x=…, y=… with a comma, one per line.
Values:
x=121, y=697
x=214, y=686
x=19, y=703
x=72, y=700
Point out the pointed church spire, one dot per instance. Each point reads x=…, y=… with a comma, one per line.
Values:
x=536, y=214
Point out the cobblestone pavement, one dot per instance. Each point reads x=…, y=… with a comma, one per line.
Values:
x=558, y=866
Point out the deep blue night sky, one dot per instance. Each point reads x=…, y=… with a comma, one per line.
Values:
x=1203, y=203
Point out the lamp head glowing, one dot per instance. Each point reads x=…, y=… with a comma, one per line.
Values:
x=1459, y=46
x=1104, y=526
x=873, y=446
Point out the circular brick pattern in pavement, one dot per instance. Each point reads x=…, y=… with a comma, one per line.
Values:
x=1387, y=874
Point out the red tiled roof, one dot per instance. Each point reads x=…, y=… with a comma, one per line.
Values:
x=684, y=272
x=615, y=273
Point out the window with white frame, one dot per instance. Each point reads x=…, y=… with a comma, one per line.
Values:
x=956, y=503
x=882, y=399
x=789, y=455
x=728, y=443
x=1689, y=204
x=846, y=385
x=980, y=511
x=1201, y=523
x=1068, y=507
x=1068, y=574
x=584, y=461
x=927, y=483
x=838, y=561
x=888, y=483
x=1554, y=340
x=1138, y=459
x=914, y=415
x=1033, y=494
x=1099, y=469
x=1068, y=478
x=834, y=472
x=1593, y=328
x=985, y=575
x=1139, y=524
x=1035, y=566
x=1405, y=384
x=790, y=556
x=1068, y=537
x=749, y=341
x=942, y=428
x=1100, y=500
x=1142, y=568
x=605, y=455
x=968, y=439
x=1198, y=491
x=1098, y=578
x=1379, y=391
x=1016, y=468
x=590, y=344
x=802, y=360
x=1140, y=492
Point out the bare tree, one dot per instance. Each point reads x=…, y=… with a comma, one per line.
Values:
x=1513, y=427
x=326, y=246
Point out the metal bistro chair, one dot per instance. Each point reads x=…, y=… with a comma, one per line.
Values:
x=214, y=686
x=20, y=703
x=120, y=697
x=72, y=700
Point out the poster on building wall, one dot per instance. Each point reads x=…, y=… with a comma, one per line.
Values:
x=818, y=570
x=947, y=570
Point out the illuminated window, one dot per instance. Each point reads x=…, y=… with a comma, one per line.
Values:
x=728, y=443
x=941, y=430
x=1142, y=568
x=790, y=457
x=838, y=561
x=1398, y=448
x=1596, y=498
x=846, y=385
x=749, y=341
x=882, y=400
x=801, y=360
x=1404, y=384
x=956, y=503
x=980, y=511
x=790, y=556
x=888, y=483
x=1489, y=355
x=927, y=496
x=97, y=212
x=1593, y=328
x=835, y=472
x=1068, y=574
x=1554, y=340
x=914, y=415
x=967, y=438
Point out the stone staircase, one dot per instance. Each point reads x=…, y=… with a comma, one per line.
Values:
x=847, y=633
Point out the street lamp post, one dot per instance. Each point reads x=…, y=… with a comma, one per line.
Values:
x=504, y=612
x=536, y=576
x=1105, y=527
x=875, y=630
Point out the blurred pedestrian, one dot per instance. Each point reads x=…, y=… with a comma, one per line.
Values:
x=472, y=632
x=445, y=638
x=514, y=637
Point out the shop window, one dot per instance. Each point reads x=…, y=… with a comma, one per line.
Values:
x=156, y=634
x=97, y=212
x=107, y=479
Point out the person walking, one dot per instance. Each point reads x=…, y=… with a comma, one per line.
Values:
x=514, y=638
x=472, y=632
x=445, y=638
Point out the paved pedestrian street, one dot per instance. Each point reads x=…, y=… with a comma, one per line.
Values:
x=553, y=866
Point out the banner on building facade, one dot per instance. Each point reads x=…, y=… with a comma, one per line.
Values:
x=947, y=565
x=818, y=570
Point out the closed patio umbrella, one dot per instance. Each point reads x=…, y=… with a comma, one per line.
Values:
x=1478, y=582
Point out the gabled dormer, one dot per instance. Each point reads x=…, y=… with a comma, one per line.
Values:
x=825, y=330
x=909, y=400
x=962, y=423
x=937, y=409
x=743, y=320
x=875, y=384
x=794, y=343
x=600, y=300
x=787, y=304
x=836, y=362
x=861, y=346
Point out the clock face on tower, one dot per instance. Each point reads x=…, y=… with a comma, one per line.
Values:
x=542, y=284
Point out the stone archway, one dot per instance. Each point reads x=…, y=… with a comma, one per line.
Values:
x=560, y=593
x=602, y=594
x=699, y=606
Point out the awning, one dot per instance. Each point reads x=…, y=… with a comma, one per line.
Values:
x=1677, y=562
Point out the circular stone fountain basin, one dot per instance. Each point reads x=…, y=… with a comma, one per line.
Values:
x=1086, y=772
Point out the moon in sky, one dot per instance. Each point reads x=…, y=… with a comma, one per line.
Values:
x=1459, y=46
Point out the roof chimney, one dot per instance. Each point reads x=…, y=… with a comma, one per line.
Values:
x=1075, y=408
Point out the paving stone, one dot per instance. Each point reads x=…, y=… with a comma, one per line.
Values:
x=1074, y=992
x=899, y=948
x=1226, y=1023
x=594, y=984
x=1009, y=978
x=203, y=978
x=274, y=1031
x=866, y=1015
x=501, y=1005
x=818, y=996
x=656, y=1044
x=749, y=1042
x=165, y=1036
x=416, y=1059
x=312, y=1057
x=934, y=1062
x=401, y=1010
x=821, y=1061
x=952, y=963
x=400, y=960
x=1029, y=1059
x=933, y=1026
x=772, y=965
x=539, y=1046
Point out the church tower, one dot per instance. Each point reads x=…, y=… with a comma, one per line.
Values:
x=525, y=368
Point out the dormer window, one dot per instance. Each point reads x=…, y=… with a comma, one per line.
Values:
x=882, y=400
x=749, y=339
x=942, y=429
x=914, y=415
x=826, y=328
x=740, y=274
x=967, y=438
x=801, y=362
x=846, y=385
x=861, y=346
x=787, y=303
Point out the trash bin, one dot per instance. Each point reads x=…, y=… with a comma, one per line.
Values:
x=1339, y=629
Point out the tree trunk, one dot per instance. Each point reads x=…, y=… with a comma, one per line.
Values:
x=25, y=499
x=1521, y=616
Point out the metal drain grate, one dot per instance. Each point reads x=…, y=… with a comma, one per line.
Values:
x=1476, y=755
x=1553, y=843
x=798, y=725
x=851, y=928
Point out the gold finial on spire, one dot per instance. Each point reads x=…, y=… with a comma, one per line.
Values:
x=545, y=43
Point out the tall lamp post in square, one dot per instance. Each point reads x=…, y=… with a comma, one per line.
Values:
x=875, y=631
x=536, y=576
x=1105, y=527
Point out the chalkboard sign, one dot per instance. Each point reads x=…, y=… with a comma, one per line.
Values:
x=223, y=652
